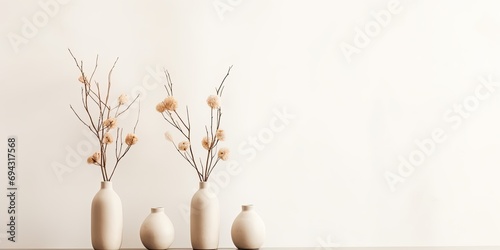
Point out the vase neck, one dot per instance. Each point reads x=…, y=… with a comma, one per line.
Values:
x=106, y=184
x=204, y=184
x=247, y=207
x=157, y=210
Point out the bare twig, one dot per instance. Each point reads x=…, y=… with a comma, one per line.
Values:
x=169, y=87
x=221, y=87
x=127, y=108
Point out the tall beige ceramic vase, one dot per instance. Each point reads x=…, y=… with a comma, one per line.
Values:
x=248, y=230
x=106, y=219
x=205, y=218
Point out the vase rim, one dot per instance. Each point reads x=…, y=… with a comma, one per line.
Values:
x=204, y=184
x=247, y=207
x=106, y=184
x=157, y=209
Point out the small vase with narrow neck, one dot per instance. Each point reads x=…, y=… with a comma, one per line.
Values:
x=204, y=218
x=157, y=231
x=248, y=230
x=106, y=219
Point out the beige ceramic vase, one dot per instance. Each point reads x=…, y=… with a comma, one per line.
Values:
x=106, y=219
x=157, y=231
x=204, y=218
x=248, y=230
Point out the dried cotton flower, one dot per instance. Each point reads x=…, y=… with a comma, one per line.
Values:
x=220, y=134
x=110, y=123
x=206, y=143
x=160, y=107
x=82, y=79
x=108, y=138
x=131, y=139
x=90, y=160
x=94, y=159
x=213, y=101
x=122, y=99
x=170, y=103
x=223, y=154
x=183, y=146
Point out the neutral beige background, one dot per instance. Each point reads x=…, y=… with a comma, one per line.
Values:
x=313, y=132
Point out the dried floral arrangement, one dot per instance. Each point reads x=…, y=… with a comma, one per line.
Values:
x=101, y=118
x=213, y=132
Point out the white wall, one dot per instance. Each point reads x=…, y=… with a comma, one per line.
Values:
x=318, y=178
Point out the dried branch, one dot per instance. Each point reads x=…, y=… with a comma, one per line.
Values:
x=127, y=108
x=221, y=87
x=99, y=101
x=173, y=118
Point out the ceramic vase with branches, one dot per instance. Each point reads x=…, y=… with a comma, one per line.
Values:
x=100, y=115
x=204, y=213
